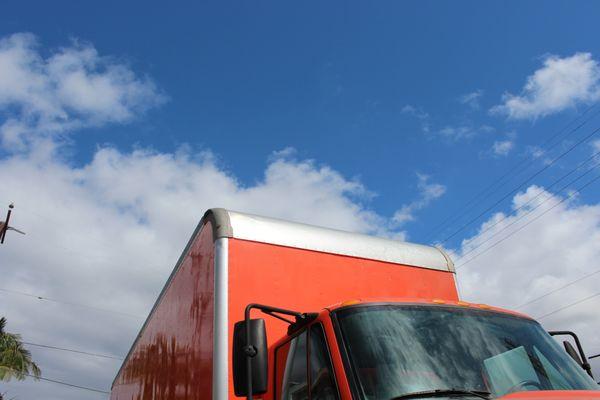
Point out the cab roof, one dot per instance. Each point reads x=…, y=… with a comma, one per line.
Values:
x=233, y=224
x=423, y=301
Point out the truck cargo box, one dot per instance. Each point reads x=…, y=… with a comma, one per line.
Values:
x=183, y=350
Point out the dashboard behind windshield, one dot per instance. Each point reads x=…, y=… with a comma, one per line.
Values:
x=400, y=349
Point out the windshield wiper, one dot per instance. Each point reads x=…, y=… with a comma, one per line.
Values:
x=445, y=392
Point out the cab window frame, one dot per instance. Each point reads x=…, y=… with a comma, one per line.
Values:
x=278, y=385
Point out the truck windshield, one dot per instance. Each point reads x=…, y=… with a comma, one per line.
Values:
x=397, y=350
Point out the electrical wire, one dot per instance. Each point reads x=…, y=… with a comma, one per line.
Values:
x=568, y=306
x=73, y=351
x=86, y=256
x=506, y=174
x=69, y=384
x=66, y=302
x=530, y=201
x=525, y=182
x=69, y=303
x=557, y=289
x=529, y=161
x=524, y=215
x=529, y=222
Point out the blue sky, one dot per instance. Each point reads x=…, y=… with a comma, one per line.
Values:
x=329, y=80
x=122, y=122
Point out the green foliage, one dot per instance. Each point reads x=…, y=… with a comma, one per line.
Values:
x=15, y=359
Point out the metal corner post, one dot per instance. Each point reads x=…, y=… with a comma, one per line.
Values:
x=220, y=331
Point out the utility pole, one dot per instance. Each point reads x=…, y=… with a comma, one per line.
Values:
x=4, y=227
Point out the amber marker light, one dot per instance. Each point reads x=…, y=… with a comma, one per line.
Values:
x=350, y=303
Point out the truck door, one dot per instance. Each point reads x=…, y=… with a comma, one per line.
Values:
x=303, y=368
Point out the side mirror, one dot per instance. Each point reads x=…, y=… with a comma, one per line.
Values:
x=256, y=352
x=577, y=355
x=572, y=352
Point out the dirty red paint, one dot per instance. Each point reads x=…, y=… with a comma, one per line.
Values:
x=172, y=359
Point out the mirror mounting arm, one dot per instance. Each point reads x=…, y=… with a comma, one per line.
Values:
x=584, y=364
x=250, y=351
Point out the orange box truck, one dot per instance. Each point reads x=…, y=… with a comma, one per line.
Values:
x=268, y=309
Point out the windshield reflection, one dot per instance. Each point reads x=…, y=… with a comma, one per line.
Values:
x=402, y=349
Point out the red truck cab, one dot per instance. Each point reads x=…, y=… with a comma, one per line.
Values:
x=414, y=348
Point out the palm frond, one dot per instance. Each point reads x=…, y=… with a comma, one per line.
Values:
x=15, y=359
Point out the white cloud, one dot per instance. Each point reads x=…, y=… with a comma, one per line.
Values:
x=457, y=132
x=536, y=151
x=501, y=148
x=72, y=88
x=428, y=192
x=550, y=252
x=472, y=99
x=463, y=132
x=418, y=113
x=108, y=233
x=560, y=84
x=449, y=133
x=414, y=111
x=596, y=146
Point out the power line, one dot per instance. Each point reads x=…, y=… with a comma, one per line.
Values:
x=58, y=382
x=504, y=217
x=529, y=161
x=69, y=384
x=459, y=213
x=87, y=257
x=529, y=222
x=463, y=256
x=91, y=259
x=568, y=306
x=69, y=303
x=519, y=229
x=526, y=214
x=513, y=168
x=557, y=289
x=98, y=260
x=73, y=351
x=526, y=181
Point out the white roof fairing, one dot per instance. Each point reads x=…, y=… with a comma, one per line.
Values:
x=291, y=234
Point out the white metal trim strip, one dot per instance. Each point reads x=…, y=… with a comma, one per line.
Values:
x=220, y=385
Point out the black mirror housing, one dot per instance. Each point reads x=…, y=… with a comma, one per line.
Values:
x=260, y=359
x=572, y=352
x=577, y=355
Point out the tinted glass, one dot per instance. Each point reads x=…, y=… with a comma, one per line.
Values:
x=322, y=384
x=295, y=380
x=398, y=349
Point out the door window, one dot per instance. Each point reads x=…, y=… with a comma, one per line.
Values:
x=295, y=382
x=306, y=365
x=322, y=383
